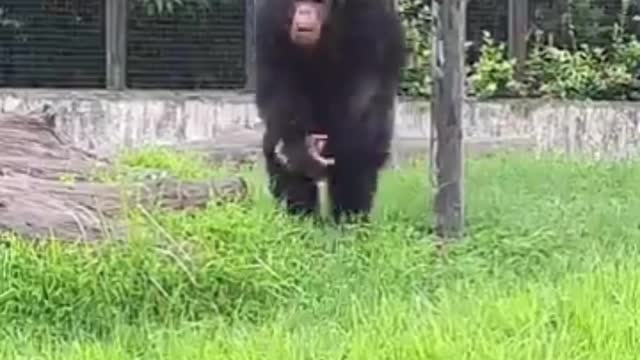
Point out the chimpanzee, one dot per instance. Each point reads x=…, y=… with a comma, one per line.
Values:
x=327, y=73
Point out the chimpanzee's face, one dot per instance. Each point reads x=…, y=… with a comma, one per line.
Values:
x=308, y=19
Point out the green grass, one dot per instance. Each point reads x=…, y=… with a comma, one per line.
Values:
x=549, y=270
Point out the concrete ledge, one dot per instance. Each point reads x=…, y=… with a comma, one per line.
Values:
x=105, y=121
x=244, y=147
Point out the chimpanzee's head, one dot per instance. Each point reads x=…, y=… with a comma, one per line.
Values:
x=308, y=20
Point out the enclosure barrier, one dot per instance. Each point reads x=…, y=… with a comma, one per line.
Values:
x=118, y=44
x=193, y=44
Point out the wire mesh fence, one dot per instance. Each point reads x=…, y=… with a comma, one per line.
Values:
x=55, y=43
x=486, y=16
x=61, y=44
x=588, y=22
x=200, y=45
x=565, y=22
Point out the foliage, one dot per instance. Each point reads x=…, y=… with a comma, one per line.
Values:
x=493, y=74
x=625, y=52
x=549, y=271
x=416, y=18
x=169, y=7
x=582, y=74
x=585, y=73
x=601, y=62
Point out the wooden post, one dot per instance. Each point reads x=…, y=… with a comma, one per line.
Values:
x=446, y=112
x=518, y=29
x=116, y=44
x=250, y=44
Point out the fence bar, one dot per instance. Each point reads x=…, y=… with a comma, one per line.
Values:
x=116, y=42
x=518, y=29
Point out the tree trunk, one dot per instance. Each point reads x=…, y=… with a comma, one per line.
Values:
x=46, y=187
x=448, y=96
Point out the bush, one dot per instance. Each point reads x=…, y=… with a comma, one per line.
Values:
x=581, y=72
x=494, y=72
x=416, y=18
x=586, y=73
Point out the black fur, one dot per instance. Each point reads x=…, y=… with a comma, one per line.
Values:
x=345, y=90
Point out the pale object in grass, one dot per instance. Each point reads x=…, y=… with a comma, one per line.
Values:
x=315, y=145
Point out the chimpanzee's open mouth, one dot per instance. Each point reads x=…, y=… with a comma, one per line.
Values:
x=305, y=29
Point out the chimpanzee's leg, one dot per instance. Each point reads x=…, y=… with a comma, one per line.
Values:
x=299, y=193
x=352, y=190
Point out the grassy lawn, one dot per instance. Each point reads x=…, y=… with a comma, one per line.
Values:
x=550, y=270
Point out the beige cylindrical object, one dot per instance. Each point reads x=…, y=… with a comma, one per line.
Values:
x=324, y=200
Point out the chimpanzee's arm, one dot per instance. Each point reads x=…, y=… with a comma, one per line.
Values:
x=287, y=116
x=374, y=62
x=280, y=103
x=362, y=116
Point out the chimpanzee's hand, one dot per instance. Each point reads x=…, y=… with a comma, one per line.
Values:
x=305, y=157
x=315, y=146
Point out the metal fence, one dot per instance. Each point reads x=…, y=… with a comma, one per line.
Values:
x=53, y=43
x=194, y=47
x=189, y=44
x=63, y=44
x=486, y=15
x=566, y=21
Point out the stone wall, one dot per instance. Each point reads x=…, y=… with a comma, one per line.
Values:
x=105, y=121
